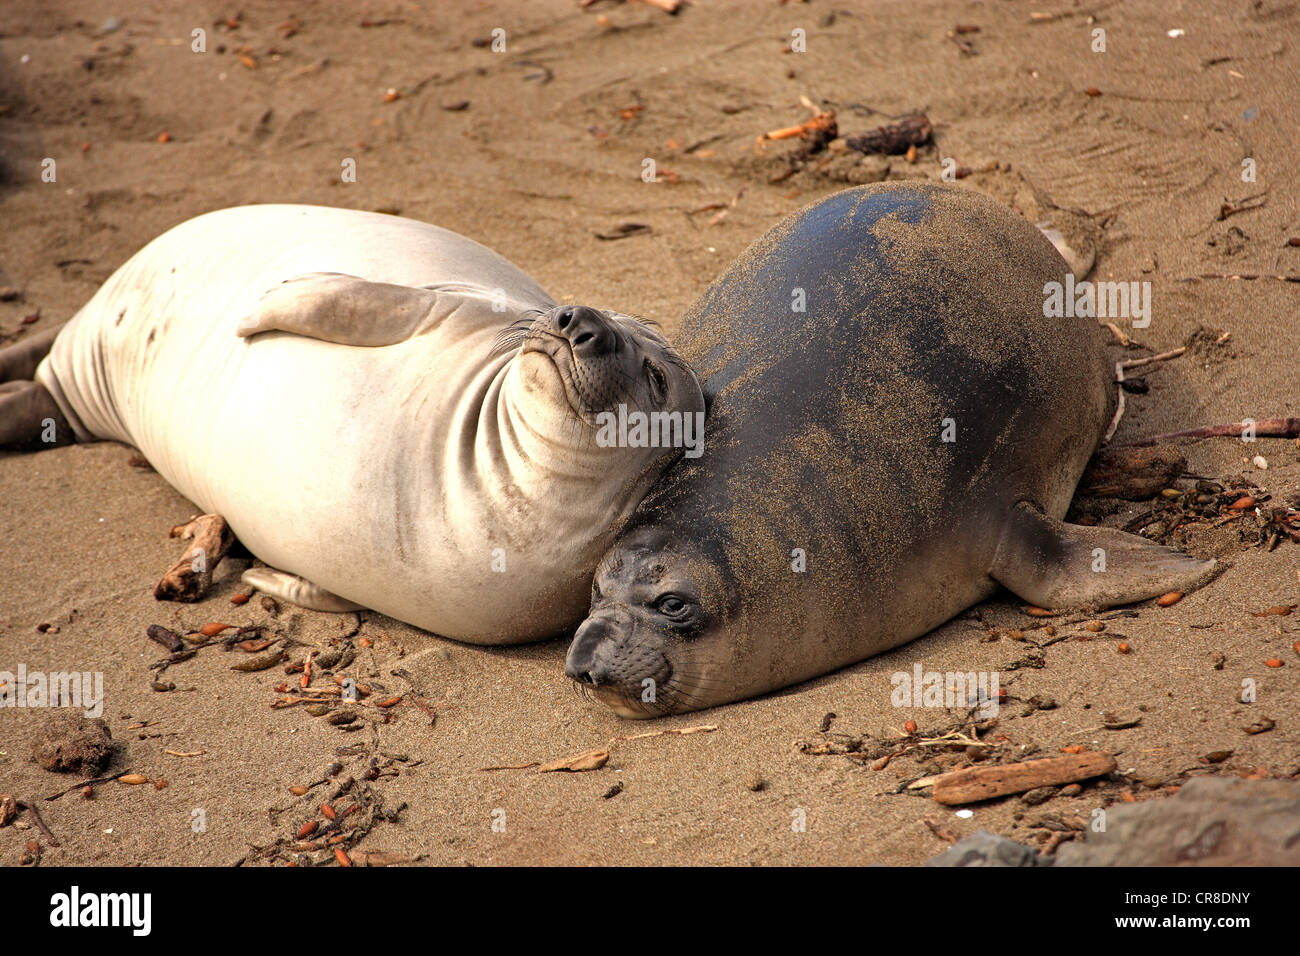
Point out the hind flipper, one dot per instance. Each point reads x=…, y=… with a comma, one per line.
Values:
x=1057, y=565
x=296, y=590
x=19, y=361
x=29, y=417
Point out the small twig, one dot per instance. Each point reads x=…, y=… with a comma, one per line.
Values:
x=700, y=144
x=680, y=732
x=1055, y=840
x=1119, y=404
x=1243, y=275
x=89, y=783
x=1163, y=356
x=36, y=818
x=964, y=45
x=1268, y=428
x=942, y=832
x=1120, y=368
x=821, y=127
x=1230, y=208
x=544, y=77
x=683, y=731
x=522, y=766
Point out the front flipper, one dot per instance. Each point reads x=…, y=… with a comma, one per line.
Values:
x=296, y=590
x=351, y=311
x=1057, y=565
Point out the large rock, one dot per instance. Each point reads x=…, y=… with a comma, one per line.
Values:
x=1212, y=821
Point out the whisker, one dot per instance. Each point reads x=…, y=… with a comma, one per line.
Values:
x=512, y=335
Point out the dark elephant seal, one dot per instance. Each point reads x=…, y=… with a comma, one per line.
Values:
x=872, y=466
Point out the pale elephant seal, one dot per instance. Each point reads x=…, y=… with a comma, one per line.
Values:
x=405, y=421
x=872, y=465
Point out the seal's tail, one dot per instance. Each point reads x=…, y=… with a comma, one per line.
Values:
x=18, y=362
x=29, y=416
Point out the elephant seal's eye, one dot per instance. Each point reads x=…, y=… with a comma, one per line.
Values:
x=671, y=605
x=658, y=382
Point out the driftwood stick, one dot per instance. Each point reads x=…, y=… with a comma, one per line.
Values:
x=1265, y=428
x=984, y=783
x=893, y=139
x=190, y=577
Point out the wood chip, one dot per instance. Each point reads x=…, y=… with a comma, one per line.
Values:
x=578, y=763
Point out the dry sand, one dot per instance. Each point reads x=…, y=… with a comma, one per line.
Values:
x=536, y=169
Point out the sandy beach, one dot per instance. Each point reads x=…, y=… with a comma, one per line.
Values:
x=537, y=152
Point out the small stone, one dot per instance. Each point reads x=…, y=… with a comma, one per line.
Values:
x=756, y=783
x=1261, y=726
x=70, y=742
x=1071, y=790
x=1038, y=795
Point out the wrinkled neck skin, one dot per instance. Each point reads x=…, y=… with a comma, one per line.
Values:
x=541, y=462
